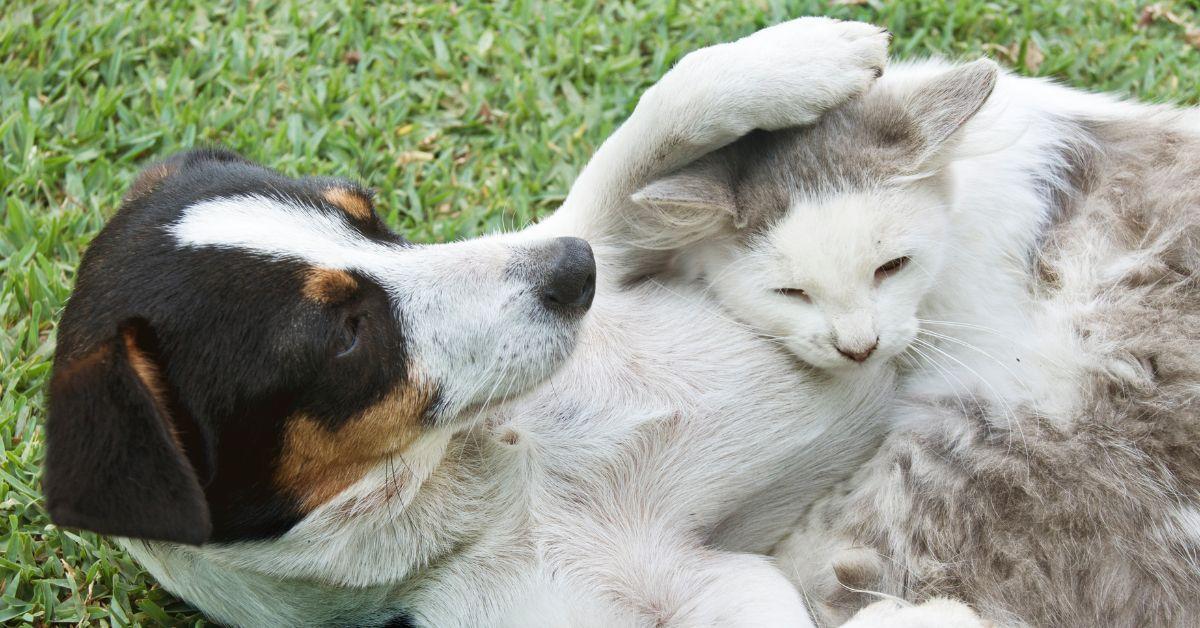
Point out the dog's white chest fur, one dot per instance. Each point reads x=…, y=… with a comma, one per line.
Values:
x=702, y=432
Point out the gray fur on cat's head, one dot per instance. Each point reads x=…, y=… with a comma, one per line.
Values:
x=828, y=237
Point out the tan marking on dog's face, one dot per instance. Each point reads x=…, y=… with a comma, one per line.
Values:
x=351, y=202
x=317, y=463
x=148, y=180
x=328, y=286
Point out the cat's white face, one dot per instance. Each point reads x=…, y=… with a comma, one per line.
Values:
x=839, y=281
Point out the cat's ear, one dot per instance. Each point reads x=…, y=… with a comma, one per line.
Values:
x=942, y=105
x=686, y=205
x=702, y=186
x=116, y=461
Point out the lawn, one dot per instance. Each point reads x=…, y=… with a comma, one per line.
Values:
x=467, y=117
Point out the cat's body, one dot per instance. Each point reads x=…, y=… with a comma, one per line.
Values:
x=1045, y=462
x=1067, y=496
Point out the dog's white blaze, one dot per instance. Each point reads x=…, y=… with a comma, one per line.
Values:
x=461, y=312
x=279, y=229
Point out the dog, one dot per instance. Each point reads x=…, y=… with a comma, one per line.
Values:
x=292, y=416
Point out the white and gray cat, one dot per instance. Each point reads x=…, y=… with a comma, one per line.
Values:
x=1029, y=257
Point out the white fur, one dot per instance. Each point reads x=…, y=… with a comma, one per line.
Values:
x=831, y=248
x=782, y=76
x=470, y=325
x=937, y=613
x=971, y=235
x=1004, y=344
x=986, y=332
x=628, y=488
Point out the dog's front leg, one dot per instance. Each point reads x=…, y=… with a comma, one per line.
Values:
x=782, y=76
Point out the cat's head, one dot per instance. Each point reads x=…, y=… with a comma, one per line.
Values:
x=837, y=231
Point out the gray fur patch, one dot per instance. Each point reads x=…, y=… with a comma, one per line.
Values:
x=1087, y=516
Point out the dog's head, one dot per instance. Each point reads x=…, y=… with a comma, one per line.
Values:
x=242, y=346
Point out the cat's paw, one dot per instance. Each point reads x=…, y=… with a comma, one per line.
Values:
x=785, y=75
x=744, y=592
x=936, y=613
x=811, y=65
x=857, y=51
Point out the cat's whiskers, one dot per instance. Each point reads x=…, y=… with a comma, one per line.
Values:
x=908, y=361
x=1017, y=379
x=955, y=386
x=1012, y=417
x=963, y=343
x=960, y=324
x=946, y=374
x=991, y=330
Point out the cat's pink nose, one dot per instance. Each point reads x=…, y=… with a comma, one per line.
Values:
x=859, y=355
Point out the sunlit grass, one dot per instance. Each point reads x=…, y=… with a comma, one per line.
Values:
x=467, y=117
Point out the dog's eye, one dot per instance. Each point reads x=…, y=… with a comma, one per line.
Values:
x=347, y=337
x=891, y=268
x=795, y=293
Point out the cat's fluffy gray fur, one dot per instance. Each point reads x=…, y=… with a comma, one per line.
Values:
x=1077, y=504
x=1063, y=516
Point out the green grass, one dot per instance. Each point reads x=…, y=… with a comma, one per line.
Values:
x=467, y=117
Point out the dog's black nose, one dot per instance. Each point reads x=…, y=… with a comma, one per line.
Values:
x=571, y=280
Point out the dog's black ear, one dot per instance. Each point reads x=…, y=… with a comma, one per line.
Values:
x=114, y=460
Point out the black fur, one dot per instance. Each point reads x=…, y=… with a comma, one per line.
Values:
x=110, y=451
x=403, y=620
x=240, y=351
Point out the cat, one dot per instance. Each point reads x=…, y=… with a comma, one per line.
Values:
x=842, y=228
x=1027, y=256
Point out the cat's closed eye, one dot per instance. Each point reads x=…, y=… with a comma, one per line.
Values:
x=796, y=293
x=890, y=268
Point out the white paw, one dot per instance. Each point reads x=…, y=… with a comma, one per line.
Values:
x=936, y=613
x=745, y=592
x=785, y=75
x=858, y=46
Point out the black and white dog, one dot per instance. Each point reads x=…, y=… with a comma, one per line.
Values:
x=295, y=417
